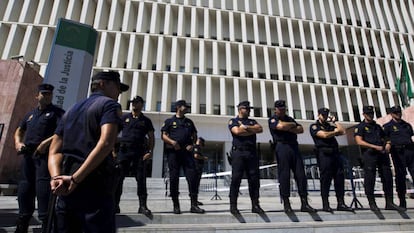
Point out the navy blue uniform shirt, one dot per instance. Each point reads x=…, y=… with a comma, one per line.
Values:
x=323, y=142
x=181, y=130
x=242, y=140
x=135, y=128
x=80, y=126
x=370, y=132
x=281, y=135
x=40, y=124
x=399, y=133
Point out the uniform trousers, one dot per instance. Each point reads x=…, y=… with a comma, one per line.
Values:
x=331, y=168
x=130, y=159
x=403, y=159
x=244, y=161
x=289, y=158
x=372, y=160
x=181, y=159
x=34, y=182
x=199, y=167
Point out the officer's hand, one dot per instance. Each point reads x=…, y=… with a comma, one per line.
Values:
x=19, y=146
x=378, y=148
x=189, y=147
x=176, y=145
x=62, y=185
x=147, y=156
x=388, y=147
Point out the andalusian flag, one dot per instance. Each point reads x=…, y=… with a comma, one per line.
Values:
x=404, y=84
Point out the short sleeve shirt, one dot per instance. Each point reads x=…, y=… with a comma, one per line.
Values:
x=323, y=142
x=81, y=125
x=181, y=130
x=370, y=132
x=40, y=124
x=134, y=129
x=281, y=135
x=242, y=140
x=399, y=133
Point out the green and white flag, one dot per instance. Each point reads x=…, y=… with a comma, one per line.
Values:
x=70, y=62
x=403, y=84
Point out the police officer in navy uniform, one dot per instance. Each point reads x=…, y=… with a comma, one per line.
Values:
x=329, y=158
x=179, y=134
x=399, y=142
x=199, y=159
x=81, y=163
x=244, y=157
x=32, y=140
x=135, y=150
x=284, y=130
x=370, y=136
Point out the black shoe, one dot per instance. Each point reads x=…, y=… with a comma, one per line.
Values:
x=287, y=208
x=403, y=204
x=21, y=226
x=392, y=206
x=235, y=212
x=177, y=210
x=197, y=210
x=373, y=206
x=343, y=207
x=327, y=209
x=257, y=209
x=199, y=203
x=145, y=211
x=307, y=208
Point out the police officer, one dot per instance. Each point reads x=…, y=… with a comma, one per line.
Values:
x=284, y=130
x=179, y=134
x=329, y=158
x=199, y=159
x=135, y=150
x=244, y=157
x=81, y=162
x=32, y=140
x=399, y=142
x=370, y=136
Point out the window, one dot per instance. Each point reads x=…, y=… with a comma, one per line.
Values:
x=230, y=110
x=202, y=108
x=309, y=115
x=297, y=114
x=216, y=109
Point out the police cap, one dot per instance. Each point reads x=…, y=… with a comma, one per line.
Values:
x=368, y=109
x=110, y=76
x=44, y=87
x=180, y=103
x=395, y=109
x=244, y=104
x=137, y=99
x=323, y=111
x=280, y=104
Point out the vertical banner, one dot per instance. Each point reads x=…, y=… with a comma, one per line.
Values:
x=403, y=84
x=70, y=62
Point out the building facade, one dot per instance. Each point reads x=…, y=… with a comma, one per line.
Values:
x=341, y=54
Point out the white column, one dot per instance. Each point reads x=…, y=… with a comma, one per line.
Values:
x=195, y=104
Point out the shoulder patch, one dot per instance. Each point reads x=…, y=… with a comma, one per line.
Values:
x=356, y=130
x=314, y=127
x=272, y=121
x=230, y=122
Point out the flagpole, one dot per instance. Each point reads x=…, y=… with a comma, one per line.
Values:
x=409, y=77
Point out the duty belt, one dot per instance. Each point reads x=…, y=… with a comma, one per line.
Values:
x=244, y=148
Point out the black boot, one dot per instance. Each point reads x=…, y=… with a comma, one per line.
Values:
x=389, y=205
x=256, y=207
x=342, y=206
x=233, y=209
x=403, y=202
x=22, y=224
x=325, y=205
x=286, y=205
x=176, y=204
x=305, y=206
x=194, y=206
x=143, y=209
x=372, y=204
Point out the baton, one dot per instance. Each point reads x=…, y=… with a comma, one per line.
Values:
x=47, y=228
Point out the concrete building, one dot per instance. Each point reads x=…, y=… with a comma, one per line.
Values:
x=340, y=54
